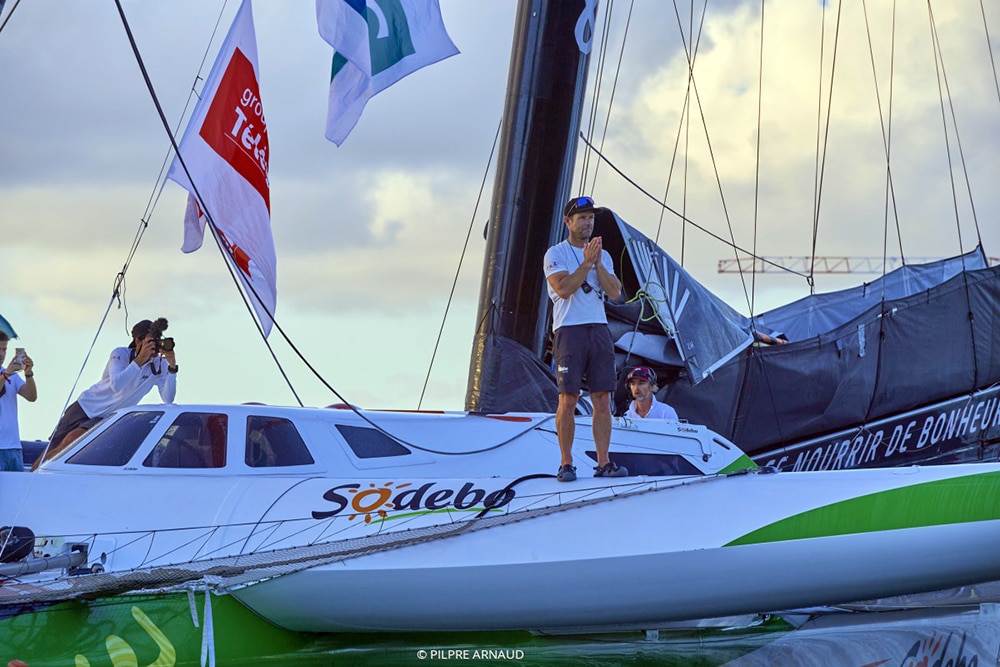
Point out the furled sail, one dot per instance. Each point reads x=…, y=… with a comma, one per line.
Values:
x=702, y=332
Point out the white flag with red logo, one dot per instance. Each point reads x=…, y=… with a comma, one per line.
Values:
x=226, y=152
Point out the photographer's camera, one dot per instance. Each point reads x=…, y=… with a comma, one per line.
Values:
x=156, y=330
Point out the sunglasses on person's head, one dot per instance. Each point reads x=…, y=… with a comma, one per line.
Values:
x=578, y=204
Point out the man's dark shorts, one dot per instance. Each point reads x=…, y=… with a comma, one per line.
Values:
x=584, y=355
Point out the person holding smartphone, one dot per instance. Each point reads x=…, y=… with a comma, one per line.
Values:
x=11, y=457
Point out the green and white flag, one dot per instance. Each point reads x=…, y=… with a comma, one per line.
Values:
x=376, y=43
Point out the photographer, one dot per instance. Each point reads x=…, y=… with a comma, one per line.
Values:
x=131, y=372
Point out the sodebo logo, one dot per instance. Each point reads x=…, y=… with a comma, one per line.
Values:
x=378, y=500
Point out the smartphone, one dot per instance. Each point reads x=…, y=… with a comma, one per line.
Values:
x=19, y=355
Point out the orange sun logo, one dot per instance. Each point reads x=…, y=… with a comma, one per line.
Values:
x=372, y=500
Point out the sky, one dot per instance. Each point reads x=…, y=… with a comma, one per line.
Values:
x=370, y=235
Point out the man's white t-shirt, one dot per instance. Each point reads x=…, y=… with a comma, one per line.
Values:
x=656, y=411
x=10, y=437
x=581, y=307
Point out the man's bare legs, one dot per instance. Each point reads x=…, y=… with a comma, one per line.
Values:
x=566, y=427
x=602, y=425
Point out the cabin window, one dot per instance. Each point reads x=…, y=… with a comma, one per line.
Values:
x=653, y=464
x=194, y=440
x=115, y=445
x=369, y=443
x=273, y=442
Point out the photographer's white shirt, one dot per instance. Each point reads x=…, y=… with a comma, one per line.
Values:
x=124, y=384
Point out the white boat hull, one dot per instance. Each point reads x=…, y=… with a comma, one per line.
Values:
x=622, y=592
x=426, y=541
x=632, y=562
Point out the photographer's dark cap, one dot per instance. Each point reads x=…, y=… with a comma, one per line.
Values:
x=578, y=205
x=140, y=329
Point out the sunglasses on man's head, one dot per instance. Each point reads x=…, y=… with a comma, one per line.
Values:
x=579, y=203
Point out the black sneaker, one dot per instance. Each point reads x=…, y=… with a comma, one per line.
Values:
x=610, y=469
x=567, y=473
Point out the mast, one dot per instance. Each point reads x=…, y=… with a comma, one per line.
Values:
x=545, y=91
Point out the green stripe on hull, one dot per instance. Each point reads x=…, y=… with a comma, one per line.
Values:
x=740, y=464
x=948, y=501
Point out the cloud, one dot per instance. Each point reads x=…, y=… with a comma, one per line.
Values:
x=772, y=199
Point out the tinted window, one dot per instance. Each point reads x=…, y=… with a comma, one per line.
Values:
x=194, y=440
x=274, y=442
x=117, y=443
x=369, y=443
x=653, y=464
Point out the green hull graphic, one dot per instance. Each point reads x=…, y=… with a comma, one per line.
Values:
x=158, y=630
x=960, y=500
x=139, y=630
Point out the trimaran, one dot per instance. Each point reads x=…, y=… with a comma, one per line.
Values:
x=325, y=520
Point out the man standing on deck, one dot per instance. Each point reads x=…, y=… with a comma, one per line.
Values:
x=580, y=274
x=12, y=386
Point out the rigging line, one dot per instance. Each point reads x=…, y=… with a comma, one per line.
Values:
x=989, y=47
x=461, y=259
x=756, y=175
x=256, y=524
x=489, y=311
x=157, y=192
x=144, y=221
x=819, y=126
x=596, y=94
x=961, y=151
x=943, y=92
x=943, y=77
x=888, y=161
x=208, y=216
x=9, y=14
x=691, y=57
x=684, y=119
x=728, y=243
x=614, y=88
x=753, y=353
x=715, y=170
x=72, y=391
x=824, y=144
x=886, y=128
